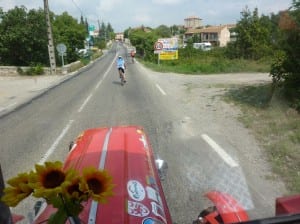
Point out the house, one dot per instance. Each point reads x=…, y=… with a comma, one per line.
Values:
x=119, y=36
x=192, y=22
x=216, y=35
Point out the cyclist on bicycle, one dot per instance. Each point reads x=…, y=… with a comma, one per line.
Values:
x=132, y=54
x=121, y=68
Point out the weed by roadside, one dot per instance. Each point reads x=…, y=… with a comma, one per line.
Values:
x=33, y=70
x=275, y=125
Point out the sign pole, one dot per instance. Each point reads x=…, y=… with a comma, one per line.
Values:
x=158, y=58
x=62, y=59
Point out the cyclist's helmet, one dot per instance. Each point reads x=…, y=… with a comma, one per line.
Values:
x=120, y=57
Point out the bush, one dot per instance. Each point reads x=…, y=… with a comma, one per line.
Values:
x=35, y=70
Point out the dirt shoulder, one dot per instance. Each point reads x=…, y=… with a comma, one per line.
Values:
x=200, y=101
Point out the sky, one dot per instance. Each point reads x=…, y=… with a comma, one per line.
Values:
x=123, y=14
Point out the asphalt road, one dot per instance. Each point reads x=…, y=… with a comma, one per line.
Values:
x=199, y=138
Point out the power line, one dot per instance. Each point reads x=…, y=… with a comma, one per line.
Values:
x=77, y=7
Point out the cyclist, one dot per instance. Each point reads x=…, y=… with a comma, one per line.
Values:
x=132, y=54
x=121, y=68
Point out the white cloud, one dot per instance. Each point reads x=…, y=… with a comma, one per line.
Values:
x=123, y=14
x=142, y=18
x=109, y=5
x=167, y=2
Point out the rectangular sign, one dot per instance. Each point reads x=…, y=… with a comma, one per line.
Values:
x=169, y=44
x=168, y=55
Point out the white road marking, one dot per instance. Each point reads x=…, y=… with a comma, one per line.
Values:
x=99, y=83
x=106, y=73
x=97, y=86
x=55, y=143
x=160, y=89
x=85, y=102
x=221, y=152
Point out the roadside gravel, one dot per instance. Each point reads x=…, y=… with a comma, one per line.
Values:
x=199, y=101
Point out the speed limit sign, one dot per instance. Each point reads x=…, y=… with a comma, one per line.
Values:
x=158, y=46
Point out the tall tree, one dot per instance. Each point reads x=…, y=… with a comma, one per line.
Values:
x=163, y=31
x=253, y=36
x=144, y=41
x=23, y=39
x=286, y=68
x=67, y=30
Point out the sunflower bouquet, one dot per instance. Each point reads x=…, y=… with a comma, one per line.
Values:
x=65, y=190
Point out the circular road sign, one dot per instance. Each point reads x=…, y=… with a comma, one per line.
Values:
x=61, y=48
x=158, y=45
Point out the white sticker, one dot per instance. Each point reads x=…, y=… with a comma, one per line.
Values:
x=153, y=195
x=137, y=209
x=158, y=211
x=136, y=190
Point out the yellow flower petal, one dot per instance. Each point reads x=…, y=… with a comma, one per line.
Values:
x=99, y=183
x=47, y=180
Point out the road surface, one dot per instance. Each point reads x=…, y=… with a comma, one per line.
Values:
x=188, y=124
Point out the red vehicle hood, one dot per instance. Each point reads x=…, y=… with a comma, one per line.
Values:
x=126, y=153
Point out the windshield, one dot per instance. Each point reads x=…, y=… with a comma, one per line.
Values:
x=149, y=112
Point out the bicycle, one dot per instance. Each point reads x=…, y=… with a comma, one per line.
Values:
x=122, y=76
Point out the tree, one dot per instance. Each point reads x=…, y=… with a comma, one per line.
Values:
x=144, y=42
x=103, y=32
x=110, y=31
x=254, y=39
x=286, y=67
x=23, y=39
x=67, y=30
x=163, y=31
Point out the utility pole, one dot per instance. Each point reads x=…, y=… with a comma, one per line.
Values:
x=50, y=40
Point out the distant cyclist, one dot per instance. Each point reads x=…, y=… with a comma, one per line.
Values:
x=121, y=68
x=132, y=54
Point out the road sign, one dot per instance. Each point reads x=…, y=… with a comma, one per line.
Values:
x=91, y=27
x=158, y=46
x=61, y=48
x=168, y=55
x=169, y=44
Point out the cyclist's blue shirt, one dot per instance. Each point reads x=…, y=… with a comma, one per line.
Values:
x=121, y=63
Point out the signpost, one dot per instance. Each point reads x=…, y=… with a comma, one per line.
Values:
x=61, y=48
x=166, y=48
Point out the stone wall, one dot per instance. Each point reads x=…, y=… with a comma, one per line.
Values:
x=13, y=70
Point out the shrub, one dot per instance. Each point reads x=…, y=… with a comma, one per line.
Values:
x=35, y=70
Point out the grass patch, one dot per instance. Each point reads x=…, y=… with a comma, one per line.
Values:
x=275, y=125
x=208, y=63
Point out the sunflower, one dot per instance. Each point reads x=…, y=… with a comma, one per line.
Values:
x=48, y=179
x=99, y=184
x=18, y=190
x=71, y=187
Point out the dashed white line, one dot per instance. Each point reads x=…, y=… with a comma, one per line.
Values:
x=99, y=83
x=160, y=89
x=55, y=143
x=221, y=152
x=105, y=74
x=85, y=102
